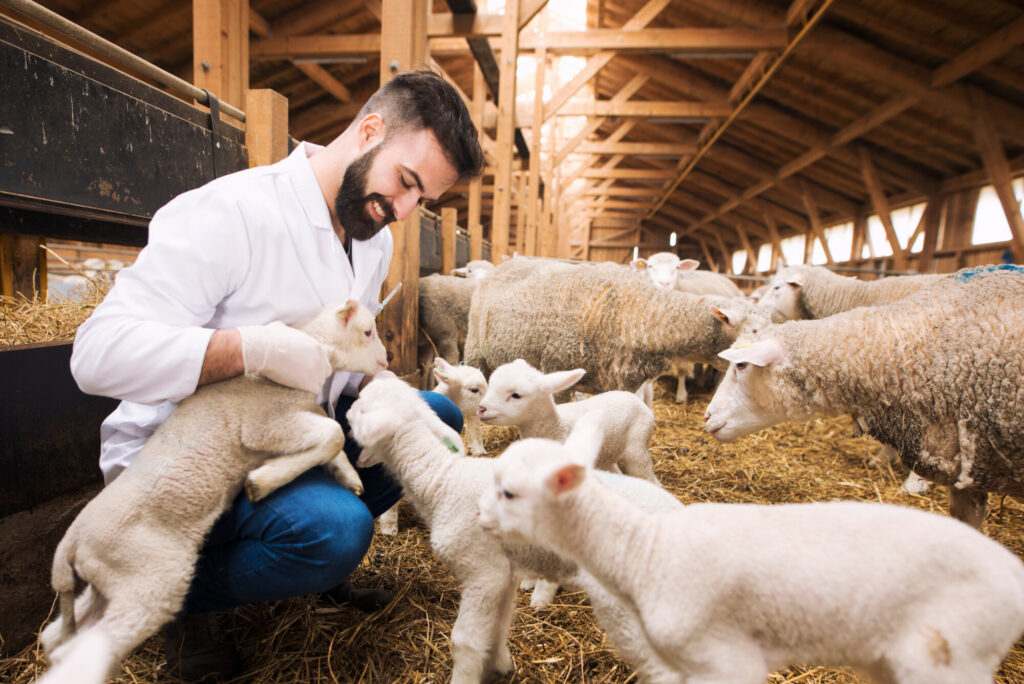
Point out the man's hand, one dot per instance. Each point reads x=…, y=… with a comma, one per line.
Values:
x=285, y=355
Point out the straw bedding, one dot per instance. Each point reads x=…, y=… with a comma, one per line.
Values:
x=306, y=640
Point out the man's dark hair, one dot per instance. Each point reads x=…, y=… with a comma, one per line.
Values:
x=419, y=99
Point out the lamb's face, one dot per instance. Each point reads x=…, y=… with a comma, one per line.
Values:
x=509, y=509
x=782, y=297
x=747, y=400
x=511, y=389
x=355, y=334
x=466, y=385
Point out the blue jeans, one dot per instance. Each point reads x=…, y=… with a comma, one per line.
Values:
x=304, y=538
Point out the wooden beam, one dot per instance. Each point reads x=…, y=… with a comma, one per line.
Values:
x=533, y=207
x=506, y=130
x=931, y=219
x=682, y=110
x=323, y=46
x=726, y=256
x=702, y=41
x=637, y=149
x=476, y=229
x=266, y=126
x=594, y=64
x=881, y=204
x=633, y=174
x=220, y=31
x=403, y=40
x=815, y=220
x=994, y=159
x=521, y=202
x=449, y=223
x=595, y=123
x=773, y=233
x=989, y=49
x=751, y=266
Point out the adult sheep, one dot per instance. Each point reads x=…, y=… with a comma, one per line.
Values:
x=602, y=318
x=946, y=364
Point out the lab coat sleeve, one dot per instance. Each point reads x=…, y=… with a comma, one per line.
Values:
x=145, y=342
x=372, y=296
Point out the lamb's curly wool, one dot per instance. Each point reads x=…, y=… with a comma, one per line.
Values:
x=939, y=375
x=801, y=291
x=603, y=318
x=444, y=312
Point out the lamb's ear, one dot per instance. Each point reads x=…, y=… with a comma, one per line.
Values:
x=638, y=264
x=727, y=316
x=795, y=281
x=371, y=427
x=566, y=479
x=759, y=353
x=560, y=380
x=441, y=369
x=687, y=265
x=346, y=312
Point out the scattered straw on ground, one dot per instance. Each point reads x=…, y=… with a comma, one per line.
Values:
x=30, y=321
x=301, y=640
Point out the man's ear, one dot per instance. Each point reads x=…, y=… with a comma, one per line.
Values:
x=566, y=479
x=371, y=131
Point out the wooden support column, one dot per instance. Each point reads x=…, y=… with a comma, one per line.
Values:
x=22, y=266
x=403, y=47
x=449, y=224
x=476, y=184
x=751, y=266
x=812, y=214
x=220, y=48
x=506, y=131
x=860, y=228
x=931, y=218
x=994, y=159
x=533, y=206
x=726, y=256
x=266, y=126
x=773, y=233
x=711, y=263
x=881, y=204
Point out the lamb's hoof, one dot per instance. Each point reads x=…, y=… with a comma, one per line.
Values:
x=253, y=491
x=503, y=661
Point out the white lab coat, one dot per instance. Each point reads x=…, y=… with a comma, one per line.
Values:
x=245, y=249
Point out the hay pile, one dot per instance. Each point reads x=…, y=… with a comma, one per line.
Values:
x=302, y=640
x=30, y=321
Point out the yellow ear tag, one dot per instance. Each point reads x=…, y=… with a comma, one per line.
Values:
x=741, y=345
x=717, y=313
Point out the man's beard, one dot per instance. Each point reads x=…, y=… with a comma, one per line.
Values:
x=352, y=201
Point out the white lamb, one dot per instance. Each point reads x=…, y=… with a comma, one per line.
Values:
x=477, y=269
x=136, y=543
x=397, y=428
x=730, y=592
x=521, y=396
x=465, y=386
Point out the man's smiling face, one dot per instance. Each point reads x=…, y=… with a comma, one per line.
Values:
x=388, y=181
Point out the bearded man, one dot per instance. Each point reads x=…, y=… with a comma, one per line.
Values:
x=272, y=243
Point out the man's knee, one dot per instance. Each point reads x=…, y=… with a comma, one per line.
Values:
x=445, y=409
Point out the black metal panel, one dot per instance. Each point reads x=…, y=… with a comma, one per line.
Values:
x=81, y=133
x=94, y=228
x=461, y=250
x=51, y=430
x=430, y=244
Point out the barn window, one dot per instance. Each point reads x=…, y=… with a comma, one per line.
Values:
x=739, y=260
x=793, y=249
x=764, y=258
x=989, y=218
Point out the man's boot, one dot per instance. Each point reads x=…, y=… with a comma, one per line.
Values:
x=197, y=651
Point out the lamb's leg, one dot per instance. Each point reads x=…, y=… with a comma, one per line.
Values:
x=474, y=435
x=389, y=521
x=86, y=658
x=89, y=607
x=636, y=462
x=305, y=440
x=543, y=593
x=502, y=661
x=473, y=635
x=968, y=505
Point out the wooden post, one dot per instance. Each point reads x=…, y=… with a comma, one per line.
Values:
x=773, y=232
x=220, y=48
x=860, y=227
x=932, y=214
x=726, y=256
x=266, y=126
x=751, y=266
x=533, y=205
x=403, y=47
x=550, y=200
x=506, y=130
x=812, y=214
x=881, y=204
x=994, y=158
x=22, y=266
x=712, y=264
x=449, y=221
x=521, y=201
x=476, y=185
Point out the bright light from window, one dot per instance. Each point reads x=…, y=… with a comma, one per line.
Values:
x=672, y=240
x=989, y=218
x=764, y=258
x=840, y=240
x=793, y=249
x=739, y=260
x=636, y=253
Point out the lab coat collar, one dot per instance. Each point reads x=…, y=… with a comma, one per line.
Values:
x=307, y=188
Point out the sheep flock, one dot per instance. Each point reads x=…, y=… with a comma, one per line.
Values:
x=805, y=460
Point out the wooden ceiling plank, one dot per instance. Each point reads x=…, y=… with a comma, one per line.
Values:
x=702, y=40
x=636, y=148
x=981, y=53
x=624, y=94
x=751, y=265
x=694, y=110
x=316, y=47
